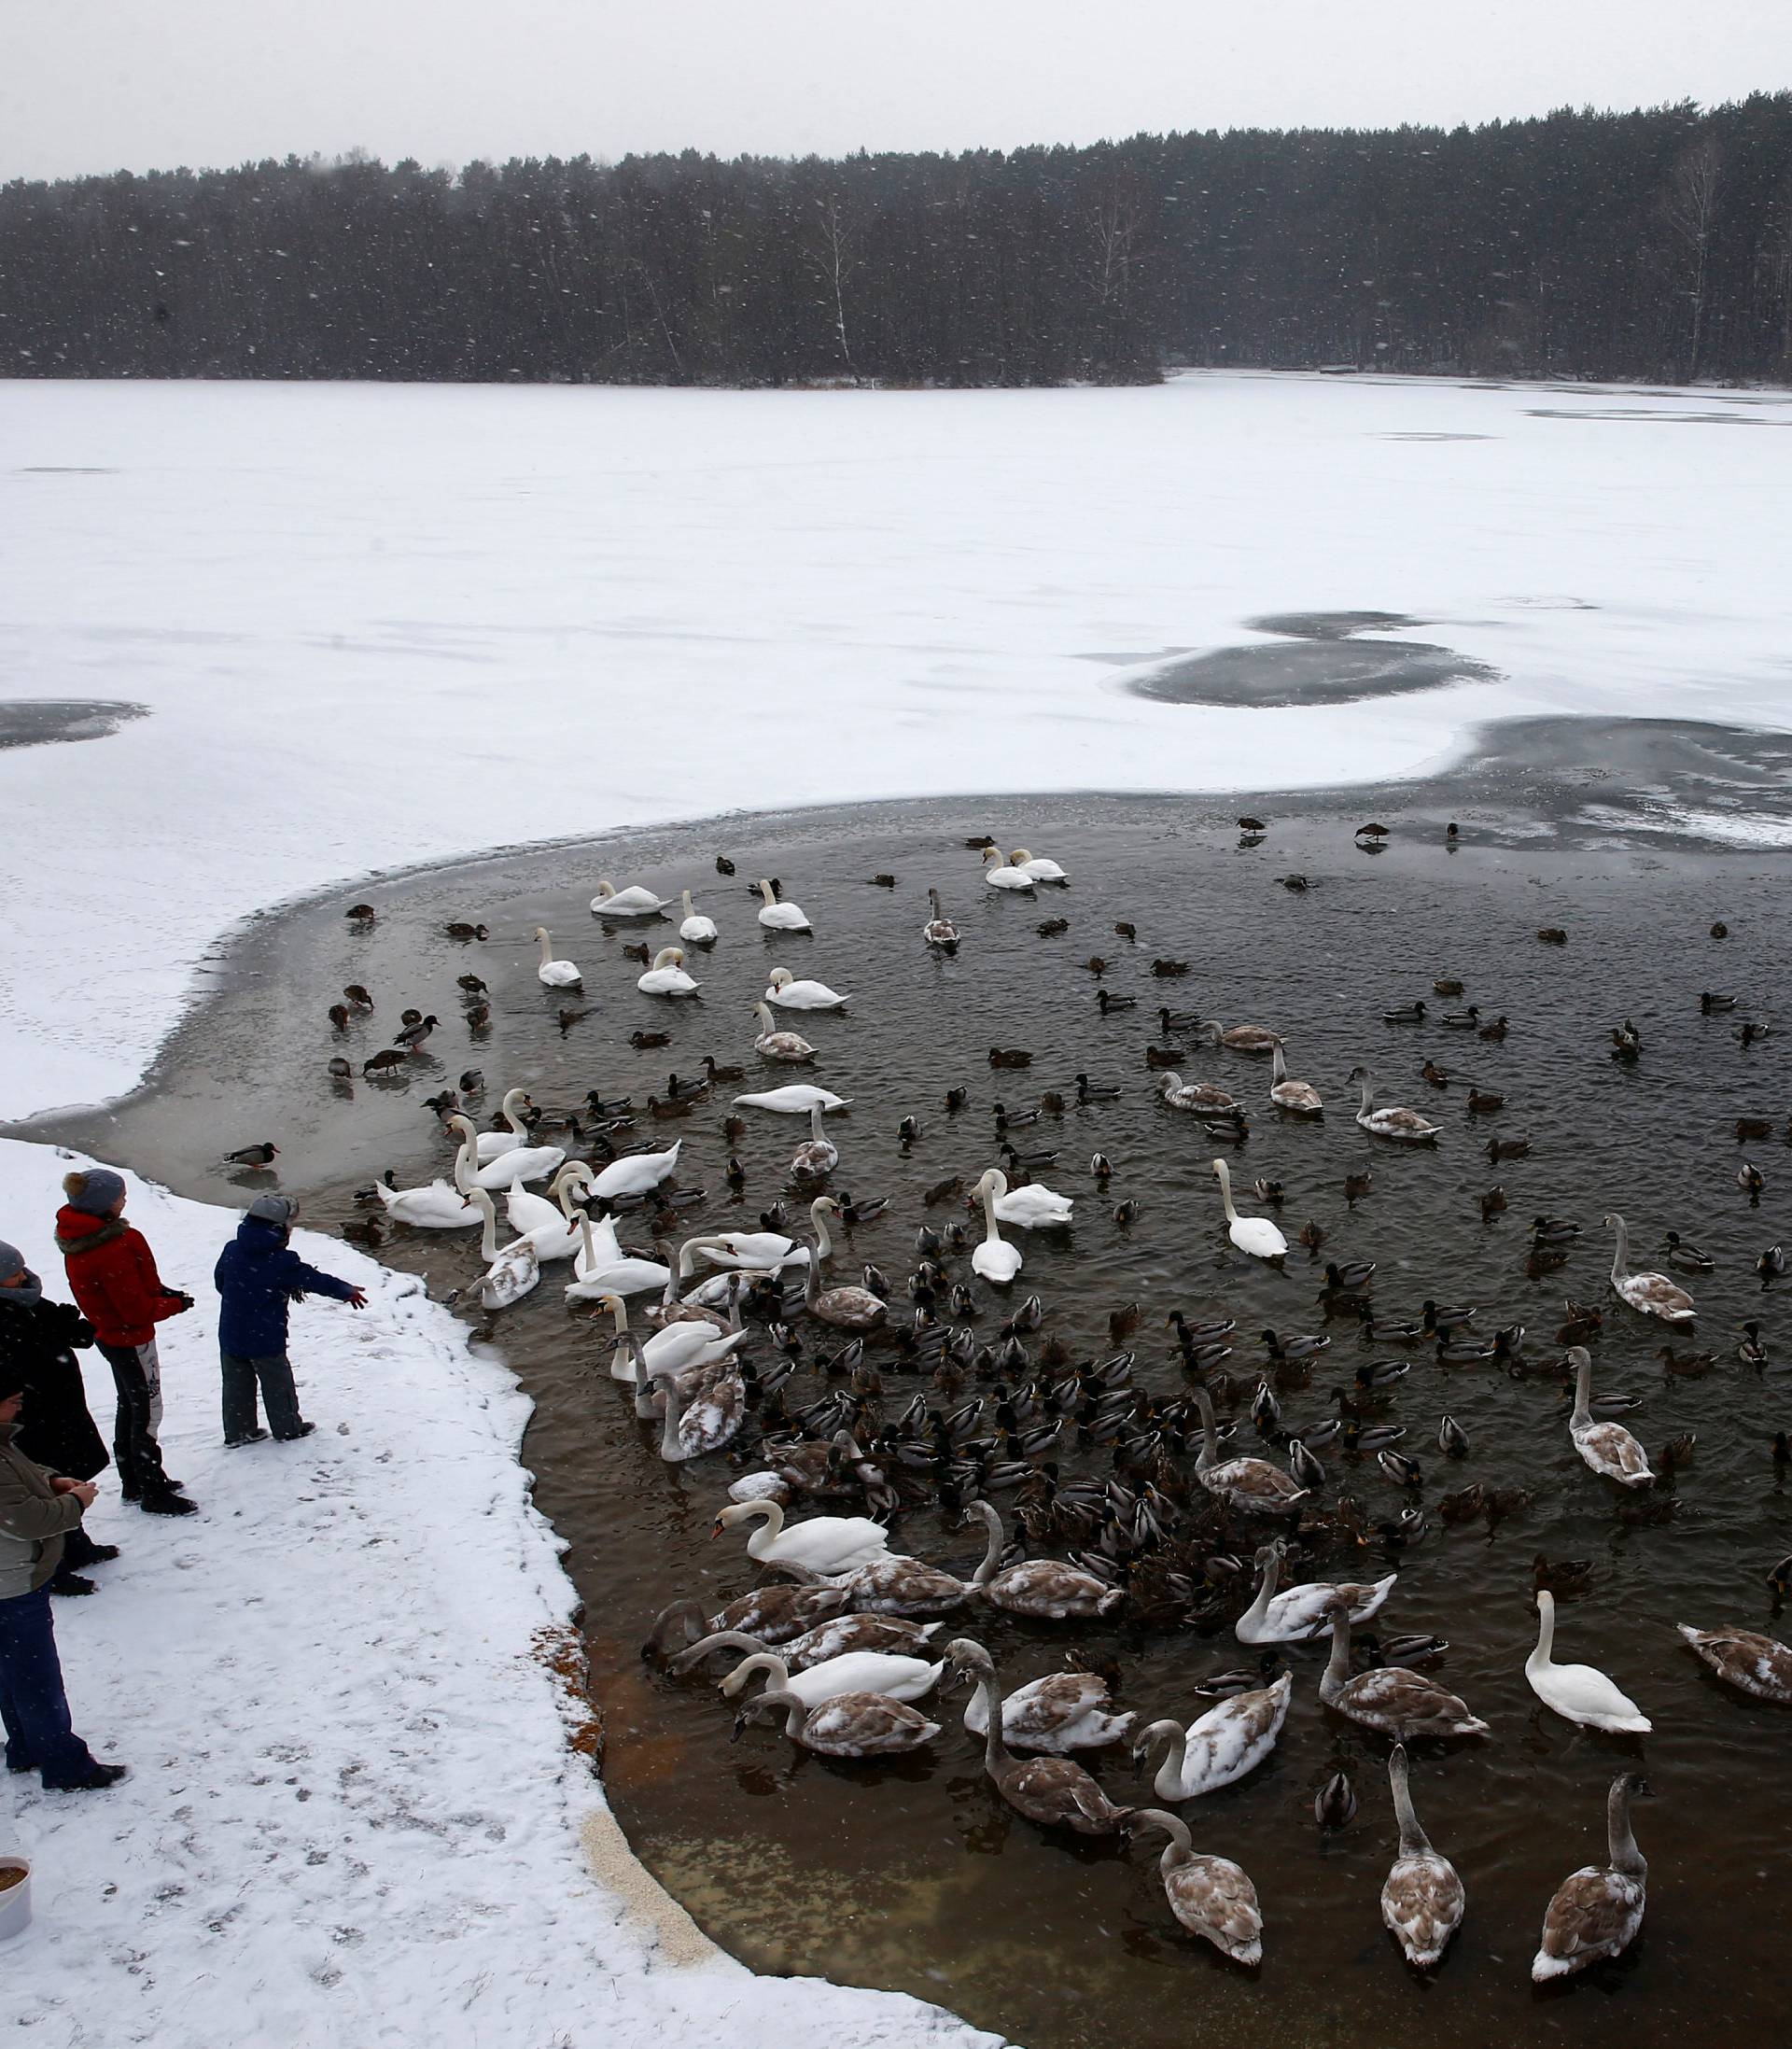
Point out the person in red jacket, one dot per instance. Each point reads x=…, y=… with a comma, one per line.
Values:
x=112, y=1275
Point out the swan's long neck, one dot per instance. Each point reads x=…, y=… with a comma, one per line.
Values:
x=771, y=1515
x=1583, y=1412
x=1539, y=1659
x=1620, y=1252
x=573, y=1177
x=815, y=1123
x=768, y=1662
x=689, y=907
x=723, y=1639
x=1368, y=1096
x=1414, y=1841
x=488, y=1237
x=1621, y=1842
x=670, y=1416
x=767, y=1023
x=995, y=1752
x=546, y=945
x=1174, y=1753
x=1225, y=1190
x=795, y=1713
x=823, y=1242
x=987, y=1571
x=933, y=901
x=1278, y=1066
x=465, y=1159
x=765, y=891
x=992, y=1232
x=511, y=1110
x=1265, y=1591
x=1211, y=1436
x=1337, y=1668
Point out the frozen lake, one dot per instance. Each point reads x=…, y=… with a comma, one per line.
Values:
x=380, y=624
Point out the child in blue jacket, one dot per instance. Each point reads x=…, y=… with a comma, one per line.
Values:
x=259, y=1278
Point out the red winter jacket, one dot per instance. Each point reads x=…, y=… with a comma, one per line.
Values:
x=112, y=1273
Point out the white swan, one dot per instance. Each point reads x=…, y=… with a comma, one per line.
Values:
x=1299, y=1097
x=825, y=1543
x=555, y=974
x=489, y=1248
x=601, y=1267
x=790, y=994
x=697, y=929
x=795, y=1099
x=633, y=901
x=759, y=1252
x=492, y=1144
x=666, y=976
x=1033, y=1207
x=889, y=1673
x=773, y=1044
x=1654, y=1293
x=1003, y=876
x=780, y=917
x=1255, y=1235
x=549, y=1220
x=521, y=1163
x=994, y=1260
x=1579, y=1693
x=635, y=1173
x=1036, y=870
x=676, y=1348
x=514, y=1271
x=1422, y=1899
x=439, y=1206
x=1608, y=1448
x=1597, y=1910
x=1299, y=1613
x=1222, y=1745
x=1406, y=1124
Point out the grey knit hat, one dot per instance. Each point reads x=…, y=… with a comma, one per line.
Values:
x=11, y=1261
x=278, y=1210
x=95, y=1191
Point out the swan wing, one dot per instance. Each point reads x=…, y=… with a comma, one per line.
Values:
x=1394, y=1698
x=1596, y=1913
x=1213, y=1897
x=1745, y=1659
x=1610, y=1449
x=1422, y=1903
x=1234, y=1738
x=1584, y=1693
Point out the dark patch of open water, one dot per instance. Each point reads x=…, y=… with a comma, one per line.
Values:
x=915, y=1875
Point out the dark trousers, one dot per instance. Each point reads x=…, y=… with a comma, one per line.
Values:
x=272, y=1373
x=136, y=1374
x=33, y=1704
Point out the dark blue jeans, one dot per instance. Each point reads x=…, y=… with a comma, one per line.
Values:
x=33, y=1704
x=271, y=1373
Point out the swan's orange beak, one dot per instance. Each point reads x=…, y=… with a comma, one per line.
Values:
x=716, y=1532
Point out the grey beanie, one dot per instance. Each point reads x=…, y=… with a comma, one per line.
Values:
x=11, y=1261
x=278, y=1210
x=100, y=1189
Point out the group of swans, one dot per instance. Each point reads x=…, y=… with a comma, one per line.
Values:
x=1020, y=870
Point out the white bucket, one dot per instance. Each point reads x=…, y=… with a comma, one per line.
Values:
x=15, y=1901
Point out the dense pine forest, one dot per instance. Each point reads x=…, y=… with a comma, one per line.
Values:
x=1653, y=245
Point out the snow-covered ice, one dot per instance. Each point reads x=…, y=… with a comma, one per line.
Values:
x=376, y=625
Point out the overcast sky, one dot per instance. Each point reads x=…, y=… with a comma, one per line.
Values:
x=93, y=85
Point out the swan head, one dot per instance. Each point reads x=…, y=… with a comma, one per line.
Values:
x=995, y=854
x=604, y=886
x=1359, y=1073
x=1614, y=1222
x=781, y=977
x=465, y=1127
x=1019, y=855
x=1223, y=1171
x=670, y=957
x=992, y=1182
x=482, y=1200
x=965, y=1655
x=1172, y=1081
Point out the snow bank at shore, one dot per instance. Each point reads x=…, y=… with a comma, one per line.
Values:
x=353, y=1816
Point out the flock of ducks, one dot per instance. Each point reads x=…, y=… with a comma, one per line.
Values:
x=842, y=1641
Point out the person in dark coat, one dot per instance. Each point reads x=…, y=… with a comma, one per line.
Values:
x=37, y=1510
x=40, y=1338
x=259, y=1278
x=112, y=1276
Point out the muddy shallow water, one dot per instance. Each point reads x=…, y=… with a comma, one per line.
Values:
x=914, y=1875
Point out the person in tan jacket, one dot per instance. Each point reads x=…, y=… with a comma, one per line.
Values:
x=37, y=1508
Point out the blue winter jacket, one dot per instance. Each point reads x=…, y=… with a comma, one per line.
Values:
x=258, y=1276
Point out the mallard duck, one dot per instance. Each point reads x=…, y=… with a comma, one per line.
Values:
x=1597, y=1910
x=1422, y=1899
